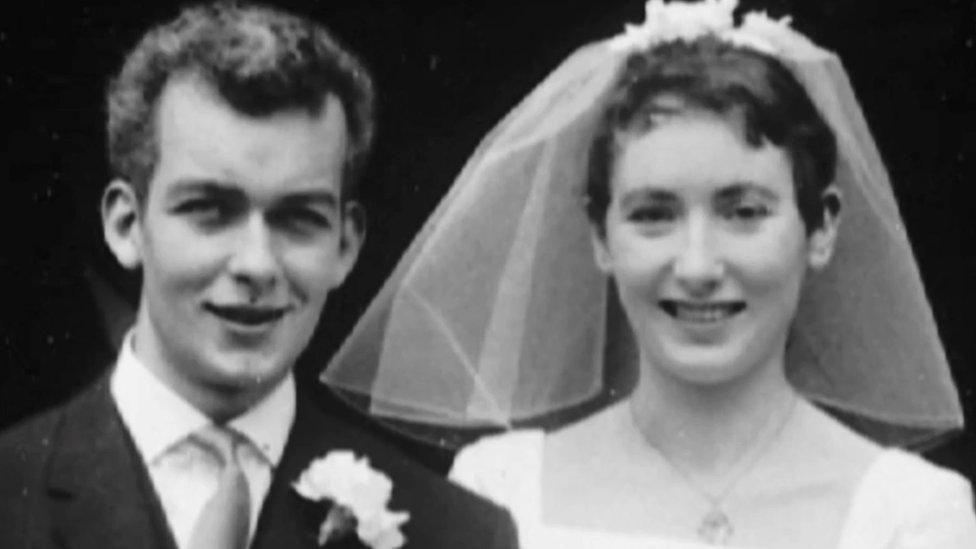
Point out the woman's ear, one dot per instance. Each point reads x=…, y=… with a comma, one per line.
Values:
x=823, y=238
x=120, y=223
x=601, y=253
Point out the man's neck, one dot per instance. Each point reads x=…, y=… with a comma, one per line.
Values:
x=219, y=402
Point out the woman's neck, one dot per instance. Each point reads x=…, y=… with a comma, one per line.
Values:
x=710, y=430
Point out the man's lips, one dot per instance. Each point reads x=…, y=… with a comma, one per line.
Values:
x=701, y=311
x=248, y=315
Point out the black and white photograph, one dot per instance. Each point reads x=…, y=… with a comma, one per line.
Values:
x=375, y=274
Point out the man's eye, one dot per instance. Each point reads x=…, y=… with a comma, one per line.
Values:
x=204, y=210
x=749, y=212
x=303, y=219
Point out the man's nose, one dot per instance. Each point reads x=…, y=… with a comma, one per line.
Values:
x=698, y=267
x=255, y=261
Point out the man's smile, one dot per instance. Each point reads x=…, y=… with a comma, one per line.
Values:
x=247, y=315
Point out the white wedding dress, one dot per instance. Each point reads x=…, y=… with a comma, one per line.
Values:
x=901, y=502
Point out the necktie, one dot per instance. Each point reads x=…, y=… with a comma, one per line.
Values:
x=224, y=522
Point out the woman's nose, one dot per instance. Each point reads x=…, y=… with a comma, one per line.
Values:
x=254, y=262
x=698, y=267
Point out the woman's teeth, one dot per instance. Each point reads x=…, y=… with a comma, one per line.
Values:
x=701, y=312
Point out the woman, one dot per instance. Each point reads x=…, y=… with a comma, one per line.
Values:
x=737, y=203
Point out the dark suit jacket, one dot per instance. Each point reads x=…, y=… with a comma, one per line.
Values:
x=72, y=478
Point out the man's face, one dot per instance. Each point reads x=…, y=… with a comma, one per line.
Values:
x=242, y=235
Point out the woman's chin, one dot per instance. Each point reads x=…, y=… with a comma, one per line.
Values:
x=705, y=374
x=705, y=366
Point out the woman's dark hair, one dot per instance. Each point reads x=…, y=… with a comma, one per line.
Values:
x=716, y=76
x=259, y=60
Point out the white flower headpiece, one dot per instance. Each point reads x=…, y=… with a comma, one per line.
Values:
x=681, y=21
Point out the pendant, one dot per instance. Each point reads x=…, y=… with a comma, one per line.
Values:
x=715, y=528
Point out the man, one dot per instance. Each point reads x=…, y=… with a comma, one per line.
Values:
x=236, y=135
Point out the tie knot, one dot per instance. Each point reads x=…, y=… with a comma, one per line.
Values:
x=222, y=441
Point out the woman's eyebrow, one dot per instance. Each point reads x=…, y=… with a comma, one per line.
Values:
x=647, y=195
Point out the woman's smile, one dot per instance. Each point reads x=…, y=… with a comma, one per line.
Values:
x=701, y=312
x=708, y=256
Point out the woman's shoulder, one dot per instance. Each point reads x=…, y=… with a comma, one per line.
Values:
x=907, y=477
x=519, y=444
x=501, y=467
x=911, y=503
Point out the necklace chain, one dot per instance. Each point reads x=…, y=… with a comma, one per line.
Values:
x=716, y=527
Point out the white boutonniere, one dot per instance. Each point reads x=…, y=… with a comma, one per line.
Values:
x=359, y=494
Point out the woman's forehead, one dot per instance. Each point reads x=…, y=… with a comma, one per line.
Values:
x=669, y=106
x=698, y=150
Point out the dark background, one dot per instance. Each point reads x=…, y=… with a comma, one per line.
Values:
x=446, y=74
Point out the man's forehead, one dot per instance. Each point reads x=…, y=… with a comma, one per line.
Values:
x=202, y=138
x=189, y=100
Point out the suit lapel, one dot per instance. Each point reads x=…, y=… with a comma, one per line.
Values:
x=287, y=520
x=98, y=488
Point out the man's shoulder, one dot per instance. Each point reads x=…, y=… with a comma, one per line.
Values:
x=386, y=454
x=25, y=451
x=386, y=451
x=442, y=514
x=26, y=446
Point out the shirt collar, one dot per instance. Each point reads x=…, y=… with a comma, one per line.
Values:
x=170, y=418
x=267, y=423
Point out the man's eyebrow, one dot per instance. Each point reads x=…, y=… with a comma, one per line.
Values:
x=740, y=189
x=203, y=186
x=217, y=187
x=324, y=198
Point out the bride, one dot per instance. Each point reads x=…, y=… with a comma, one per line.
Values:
x=760, y=278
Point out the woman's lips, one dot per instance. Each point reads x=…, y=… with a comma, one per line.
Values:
x=247, y=315
x=702, y=312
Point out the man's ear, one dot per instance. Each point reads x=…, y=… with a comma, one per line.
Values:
x=120, y=223
x=601, y=253
x=352, y=235
x=822, y=240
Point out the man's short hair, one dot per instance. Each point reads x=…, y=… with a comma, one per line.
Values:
x=260, y=60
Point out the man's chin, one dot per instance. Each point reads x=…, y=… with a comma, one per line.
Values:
x=229, y=395
x=253, y=375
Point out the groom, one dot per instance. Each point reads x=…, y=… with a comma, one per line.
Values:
x=236, y=135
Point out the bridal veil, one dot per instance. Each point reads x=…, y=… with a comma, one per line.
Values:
x=497, y=317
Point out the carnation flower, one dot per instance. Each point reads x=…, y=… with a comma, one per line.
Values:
x=360, y=494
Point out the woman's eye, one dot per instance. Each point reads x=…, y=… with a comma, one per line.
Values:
x=652, y=215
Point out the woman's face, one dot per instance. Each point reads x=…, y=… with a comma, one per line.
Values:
x=707, y=247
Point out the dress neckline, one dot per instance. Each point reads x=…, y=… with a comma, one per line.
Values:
x=538, y=533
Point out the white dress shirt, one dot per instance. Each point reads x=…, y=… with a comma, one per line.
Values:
x=184, y=473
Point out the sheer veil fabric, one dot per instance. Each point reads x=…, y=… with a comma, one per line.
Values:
x=497, y=317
